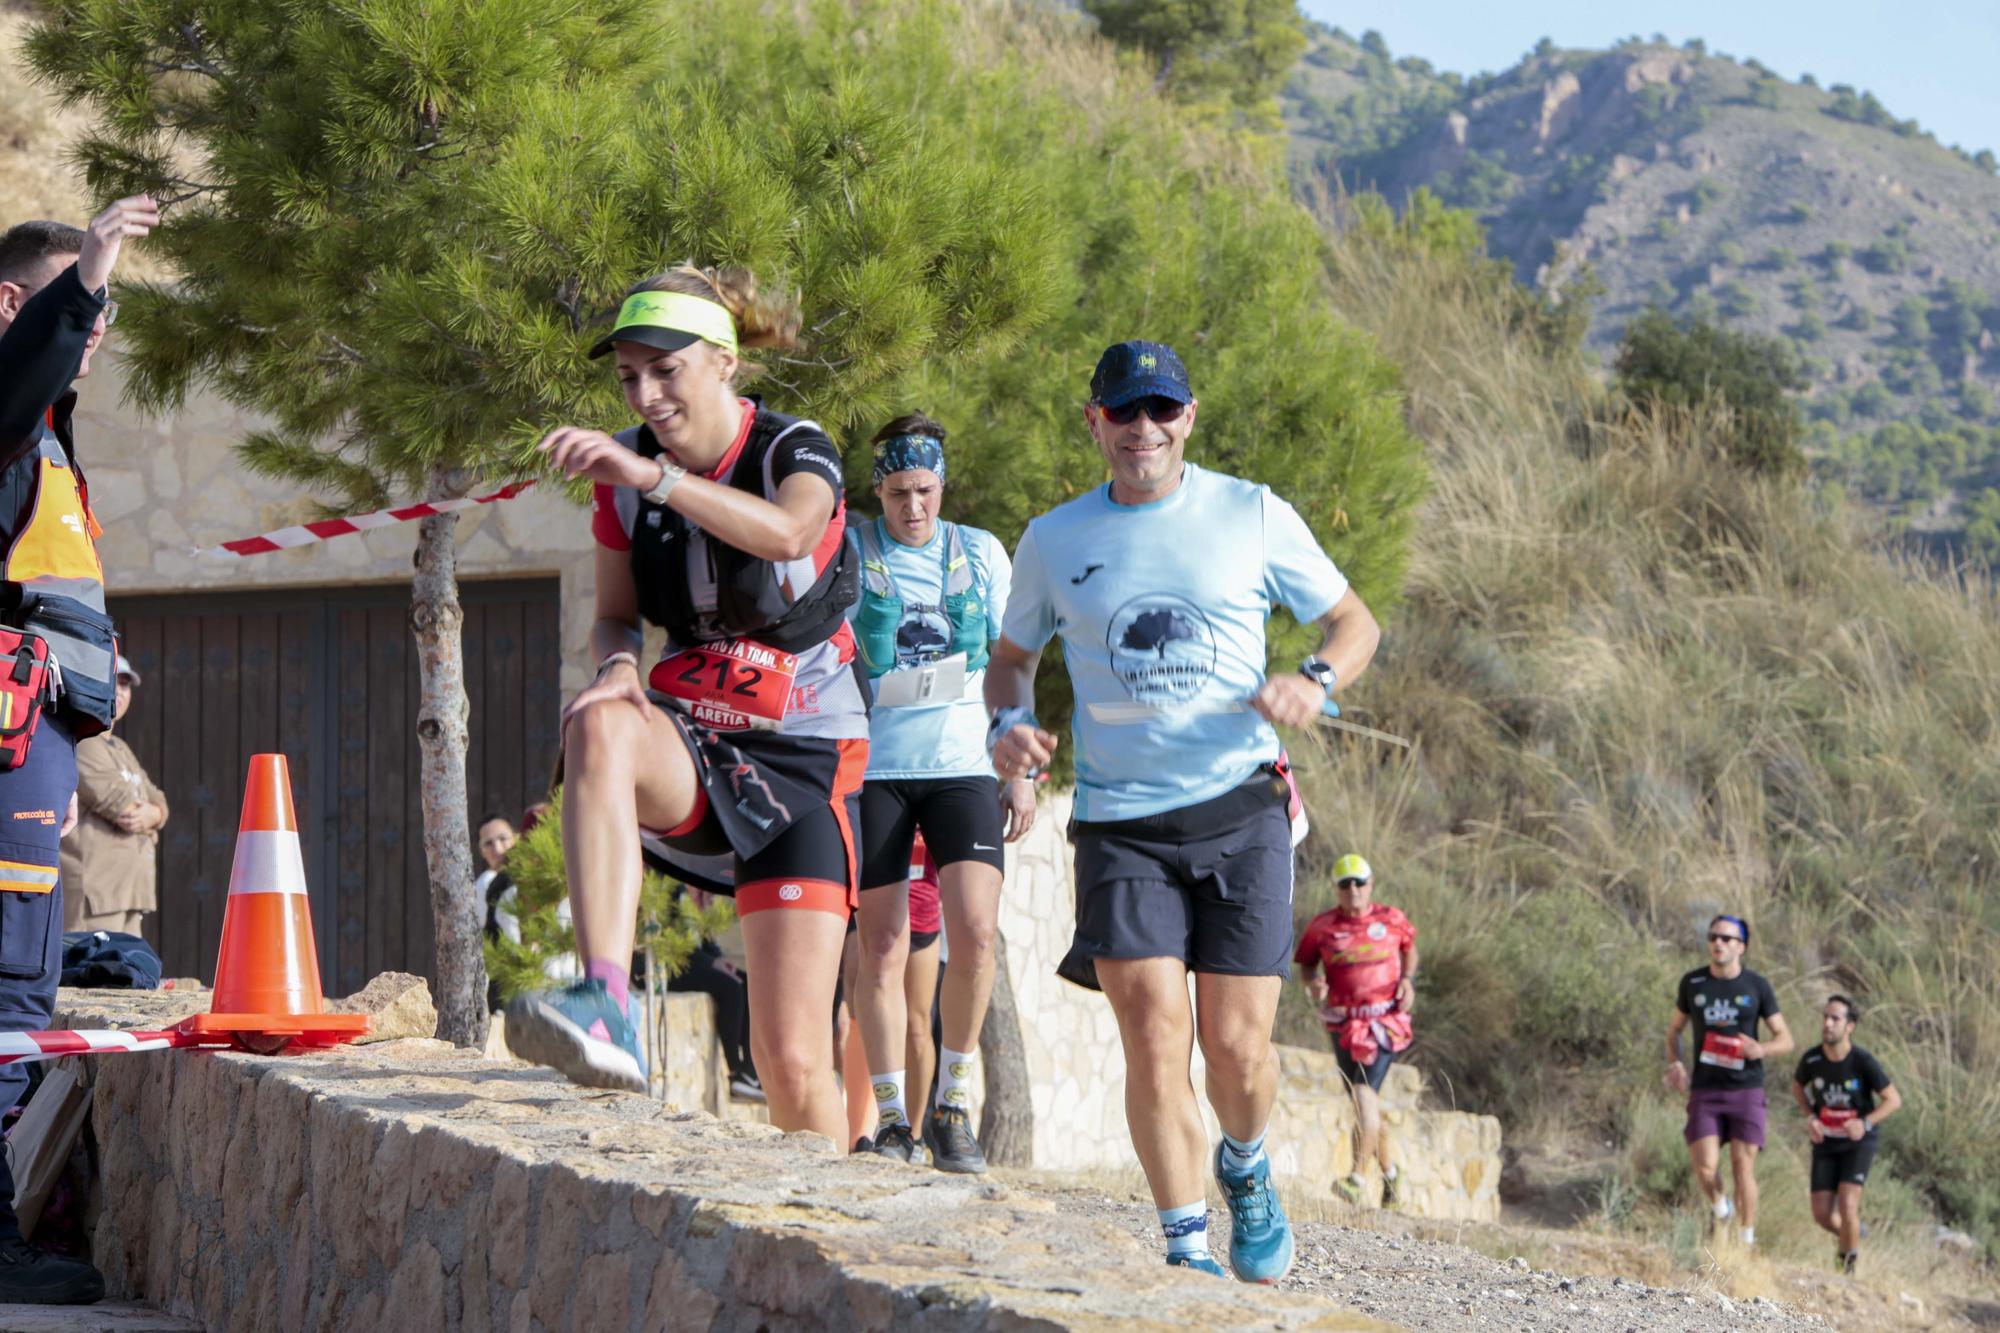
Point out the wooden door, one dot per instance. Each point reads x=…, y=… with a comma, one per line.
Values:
x=327, y=677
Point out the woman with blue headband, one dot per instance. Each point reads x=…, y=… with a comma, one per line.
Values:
x=740, y=754
x=932, y=596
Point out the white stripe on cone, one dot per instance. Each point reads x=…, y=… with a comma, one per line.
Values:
x=267, y=861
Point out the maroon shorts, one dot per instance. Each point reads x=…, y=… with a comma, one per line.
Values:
x=1734, y=1115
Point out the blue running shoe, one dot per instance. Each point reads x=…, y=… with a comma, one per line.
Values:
x=1260, y=1239
x=578, y=1032
x=1200, y=1263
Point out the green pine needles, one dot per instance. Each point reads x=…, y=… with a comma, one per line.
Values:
x=670, y=925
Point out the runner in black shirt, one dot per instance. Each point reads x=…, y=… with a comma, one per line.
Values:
x=1845, y=1094
x=1725, y=1001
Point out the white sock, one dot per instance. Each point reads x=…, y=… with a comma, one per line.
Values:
x=1723, y=1209
x=1186, y=1228
x=955, y=1073
x=1389, y=1172
x=890, y=1108
x=1240, y=1156
x=1749, y=1235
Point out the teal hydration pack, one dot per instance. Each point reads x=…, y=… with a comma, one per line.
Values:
x=883, y=611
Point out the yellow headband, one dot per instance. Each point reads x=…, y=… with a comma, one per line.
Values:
x=705, y=319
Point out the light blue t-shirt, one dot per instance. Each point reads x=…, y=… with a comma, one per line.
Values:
x=938, y=740
x=1165, y=604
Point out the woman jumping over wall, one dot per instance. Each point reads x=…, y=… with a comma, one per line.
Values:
x=741, y=753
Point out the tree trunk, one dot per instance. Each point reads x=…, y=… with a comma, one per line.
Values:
x=1007, y=1125
x=436, y=619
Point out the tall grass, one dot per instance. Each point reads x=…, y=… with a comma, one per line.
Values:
x=1648, y=687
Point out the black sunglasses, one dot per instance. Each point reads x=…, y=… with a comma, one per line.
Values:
x=1157, y=406
x=1350, y=883
x=1713, y=937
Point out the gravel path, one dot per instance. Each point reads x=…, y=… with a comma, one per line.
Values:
x=1433, y=1286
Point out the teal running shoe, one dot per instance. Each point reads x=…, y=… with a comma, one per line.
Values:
x=578, y=1032
x=1260, y=1239
x=1200, y=1263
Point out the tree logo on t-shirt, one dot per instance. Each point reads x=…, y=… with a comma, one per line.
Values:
x=1162, y=648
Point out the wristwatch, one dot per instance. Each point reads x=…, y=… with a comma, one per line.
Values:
x=670, y=476
x=1321, y=674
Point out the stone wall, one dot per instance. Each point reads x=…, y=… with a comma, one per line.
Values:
x=408, y=1185
x=1077, y=1067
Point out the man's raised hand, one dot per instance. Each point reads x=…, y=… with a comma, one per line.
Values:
x=129, y=217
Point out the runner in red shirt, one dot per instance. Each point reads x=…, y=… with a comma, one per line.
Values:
x=1359, y=961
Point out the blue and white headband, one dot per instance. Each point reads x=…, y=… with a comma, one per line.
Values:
x=903, y=452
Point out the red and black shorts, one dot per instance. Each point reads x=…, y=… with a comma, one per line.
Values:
x=775, y=819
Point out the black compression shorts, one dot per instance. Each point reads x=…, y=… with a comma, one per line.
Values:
x=960, y=819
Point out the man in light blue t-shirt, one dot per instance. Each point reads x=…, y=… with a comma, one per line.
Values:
x=1160, y=583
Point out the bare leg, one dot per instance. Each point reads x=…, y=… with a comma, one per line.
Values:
x=878, y=995
x=920, y=984
x=1822, y=1211
x=1743, y=1166
x=1233, y=1019
x=622, y=768
x=1368, y=1136
x=1706, y=1154
x=969, y=896
x=848, y=1056
x=794, y=958
x=1150, y=1000
x=1847, y=1202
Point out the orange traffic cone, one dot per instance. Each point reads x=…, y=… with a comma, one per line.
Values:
x=267, y=992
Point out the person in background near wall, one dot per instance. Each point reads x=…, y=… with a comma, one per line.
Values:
x=1359, y=961
x=711, y=972
x=54, y=310
x=496, y=838
x=108, y=860
x=1725, y=1001
x=1845, y=1094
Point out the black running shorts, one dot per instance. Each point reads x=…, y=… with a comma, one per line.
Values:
x=1210, y=885
x=1834, y=1166
x=960, y=818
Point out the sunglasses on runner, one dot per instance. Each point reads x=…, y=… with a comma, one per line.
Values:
x=1713, y=937
x=1351, y=884
x=1156, y=405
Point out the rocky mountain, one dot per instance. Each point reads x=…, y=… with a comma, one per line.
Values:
x=1709, y=186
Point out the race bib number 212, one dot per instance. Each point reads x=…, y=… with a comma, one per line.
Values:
x=731, y=685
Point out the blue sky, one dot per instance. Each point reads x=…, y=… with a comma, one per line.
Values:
x=1935, y=60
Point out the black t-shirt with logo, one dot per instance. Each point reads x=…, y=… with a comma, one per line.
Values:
x=1724, y=1012
x=1839, y=1090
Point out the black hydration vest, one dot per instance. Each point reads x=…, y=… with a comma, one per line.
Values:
x=669, y=553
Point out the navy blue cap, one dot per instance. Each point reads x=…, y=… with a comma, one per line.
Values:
x=1137, y=369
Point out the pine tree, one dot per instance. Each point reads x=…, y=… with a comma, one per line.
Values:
x=397, y=225
x=1238, y=52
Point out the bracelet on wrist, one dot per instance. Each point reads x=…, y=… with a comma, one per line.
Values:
x=629, y=658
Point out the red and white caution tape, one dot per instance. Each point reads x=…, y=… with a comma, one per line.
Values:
x=16, y=1047
x=305, y=534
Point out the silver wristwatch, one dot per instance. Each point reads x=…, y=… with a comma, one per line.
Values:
x=670, y=476
x=1321, y=674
